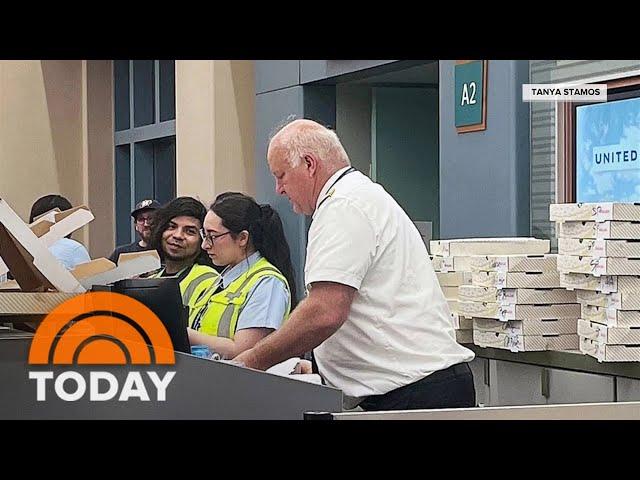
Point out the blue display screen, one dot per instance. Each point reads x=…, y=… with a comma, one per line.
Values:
x=608, y=151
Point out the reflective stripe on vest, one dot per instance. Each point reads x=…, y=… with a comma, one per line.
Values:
x=199, y=278
x=218, y=314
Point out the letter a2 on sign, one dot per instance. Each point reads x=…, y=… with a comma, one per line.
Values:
x=471, y=95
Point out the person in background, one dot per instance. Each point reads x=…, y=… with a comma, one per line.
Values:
x=142, y=215
x=67, y=250
x=257, y=287
x=175, y=233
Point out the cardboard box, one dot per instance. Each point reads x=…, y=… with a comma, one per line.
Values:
x=513, y=263
x=599, y=266
x=453, y=305
x=103, y=272
x=600, y=230
x=518, y=312
x=32, y=303
x=64, y=224
x=610, y=335
x=516, y=279
x=599, y=212
x=512, y=296
x=450, y=293
x=456, y=264
x=9, y=285
x=616, y=300
x=454, y=279
x=523, y=343
x=610, y=316
x=32, y=265
x=623, y=300
x=589, y=297
x=464, y=336
x=624, y=284
x=490, y=246
x=618, y=230
x=577, y=230
x=462, y=323
x=584, y=281
x=609, y=353
x=436, y=262
x=527, y=327
x=599, y=248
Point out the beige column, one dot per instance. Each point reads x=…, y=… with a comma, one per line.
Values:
x=215, y=127
x=98, y=155
x=40, y=131
x=56, y=136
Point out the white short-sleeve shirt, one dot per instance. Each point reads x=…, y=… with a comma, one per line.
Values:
x=399, y=328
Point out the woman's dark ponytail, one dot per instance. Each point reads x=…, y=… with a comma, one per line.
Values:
x=241, y=212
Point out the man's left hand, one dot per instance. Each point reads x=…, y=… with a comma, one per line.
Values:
x=248, y=359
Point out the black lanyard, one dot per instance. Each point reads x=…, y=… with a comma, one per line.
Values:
x=328, y=195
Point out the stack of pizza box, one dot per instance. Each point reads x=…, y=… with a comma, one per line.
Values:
x=41, y=282
x=493, y=272
x=599, y=258
x=452, y=272
x=514, y=300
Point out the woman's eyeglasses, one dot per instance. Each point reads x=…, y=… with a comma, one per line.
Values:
x=211, y=237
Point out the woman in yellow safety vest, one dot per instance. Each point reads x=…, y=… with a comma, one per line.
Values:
x=256, y=290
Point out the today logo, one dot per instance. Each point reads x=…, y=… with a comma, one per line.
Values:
x=107, y=329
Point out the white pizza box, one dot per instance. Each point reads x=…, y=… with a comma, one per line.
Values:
x=610, y=316
x=516, y=279
x=511, y=296
x=600, y=230
x=489, y=246
x=462, y=323
x=523, y=343
x=518, y=312
x=577, y=230
x=31, y=303
x=436, y=262
x=628, y=284
x=464, y=336
x=512, y=263
x=616, y=300
x=103, y=272
x=63, y=224
x=30, y=261
x=609, y=335
x=599, y=266
x=556, y=326
x=456, y=264
x=562, y=212
x=454, y=279
x=54, y=225
x=599, y=248
x=450, y=293
x=609, y=353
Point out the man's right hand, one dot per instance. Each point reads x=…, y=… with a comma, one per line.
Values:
x=303, y=367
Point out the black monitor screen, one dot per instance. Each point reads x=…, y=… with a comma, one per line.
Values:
x=162, y=296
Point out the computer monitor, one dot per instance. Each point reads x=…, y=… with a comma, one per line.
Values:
x=162, y=296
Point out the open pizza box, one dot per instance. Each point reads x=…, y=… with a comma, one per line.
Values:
x=41, y=281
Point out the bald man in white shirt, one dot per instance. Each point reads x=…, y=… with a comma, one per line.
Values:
x=375, y=315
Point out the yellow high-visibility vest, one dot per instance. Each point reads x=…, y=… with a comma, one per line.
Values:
x=217, y=313
x=199, y=279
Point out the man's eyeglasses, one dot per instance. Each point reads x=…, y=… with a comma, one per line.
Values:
x=142, y=220
x=211, y=237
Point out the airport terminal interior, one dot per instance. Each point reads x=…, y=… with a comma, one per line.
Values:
x=523, y=214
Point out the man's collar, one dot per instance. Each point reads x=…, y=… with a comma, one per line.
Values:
x=325, y=188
